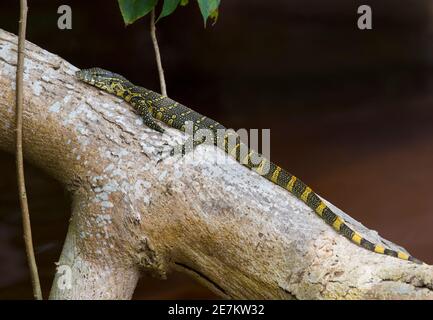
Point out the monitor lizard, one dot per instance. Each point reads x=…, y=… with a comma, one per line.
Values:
x=151, y=105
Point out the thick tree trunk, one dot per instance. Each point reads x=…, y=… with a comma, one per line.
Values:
x=226, y=226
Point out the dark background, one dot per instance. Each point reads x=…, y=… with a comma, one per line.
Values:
x=350, y=111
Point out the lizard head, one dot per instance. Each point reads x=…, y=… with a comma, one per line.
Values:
x=100, y=78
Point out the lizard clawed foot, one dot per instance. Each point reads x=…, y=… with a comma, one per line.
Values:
x=163, y=154
x=181, y=150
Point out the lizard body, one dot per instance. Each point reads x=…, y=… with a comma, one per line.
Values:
x=152, y=105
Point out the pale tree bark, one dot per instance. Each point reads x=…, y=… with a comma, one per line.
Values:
x=226, y=226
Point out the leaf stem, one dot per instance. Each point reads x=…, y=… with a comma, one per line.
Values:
x=157, y=54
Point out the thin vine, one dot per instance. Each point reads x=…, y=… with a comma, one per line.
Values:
x=27, y=230
x=157, y=54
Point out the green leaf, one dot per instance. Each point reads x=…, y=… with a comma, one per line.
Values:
x=183, y=3
x=208, y=8
x=132, y=10
x=214, y=16
x=168, y=8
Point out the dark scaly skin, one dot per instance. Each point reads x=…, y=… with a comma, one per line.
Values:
x=152, y=105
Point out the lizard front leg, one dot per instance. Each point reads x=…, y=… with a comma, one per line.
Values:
x=143, y=110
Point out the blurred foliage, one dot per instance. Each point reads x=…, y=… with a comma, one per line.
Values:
x=132, y=10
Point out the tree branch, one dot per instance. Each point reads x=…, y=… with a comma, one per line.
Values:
x=27, y=230
x=157, y=54
x=226, y=226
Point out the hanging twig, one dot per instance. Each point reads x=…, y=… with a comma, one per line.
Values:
x=37, y=293
x=157, y=54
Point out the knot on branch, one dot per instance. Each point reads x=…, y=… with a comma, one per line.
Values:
x=151, y=261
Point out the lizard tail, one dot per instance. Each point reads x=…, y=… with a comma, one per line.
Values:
x=310, y=198
x=284, y=179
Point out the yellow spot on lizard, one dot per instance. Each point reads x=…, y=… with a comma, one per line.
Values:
x=337, y=223
x=291, y=183
x=320, y=208
x=261, y=167
x=402, y=255
x=305, y=194
x=379, y=249
x=356, y=238
x=248, y=157
x=233, y=151
x=276, y=174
